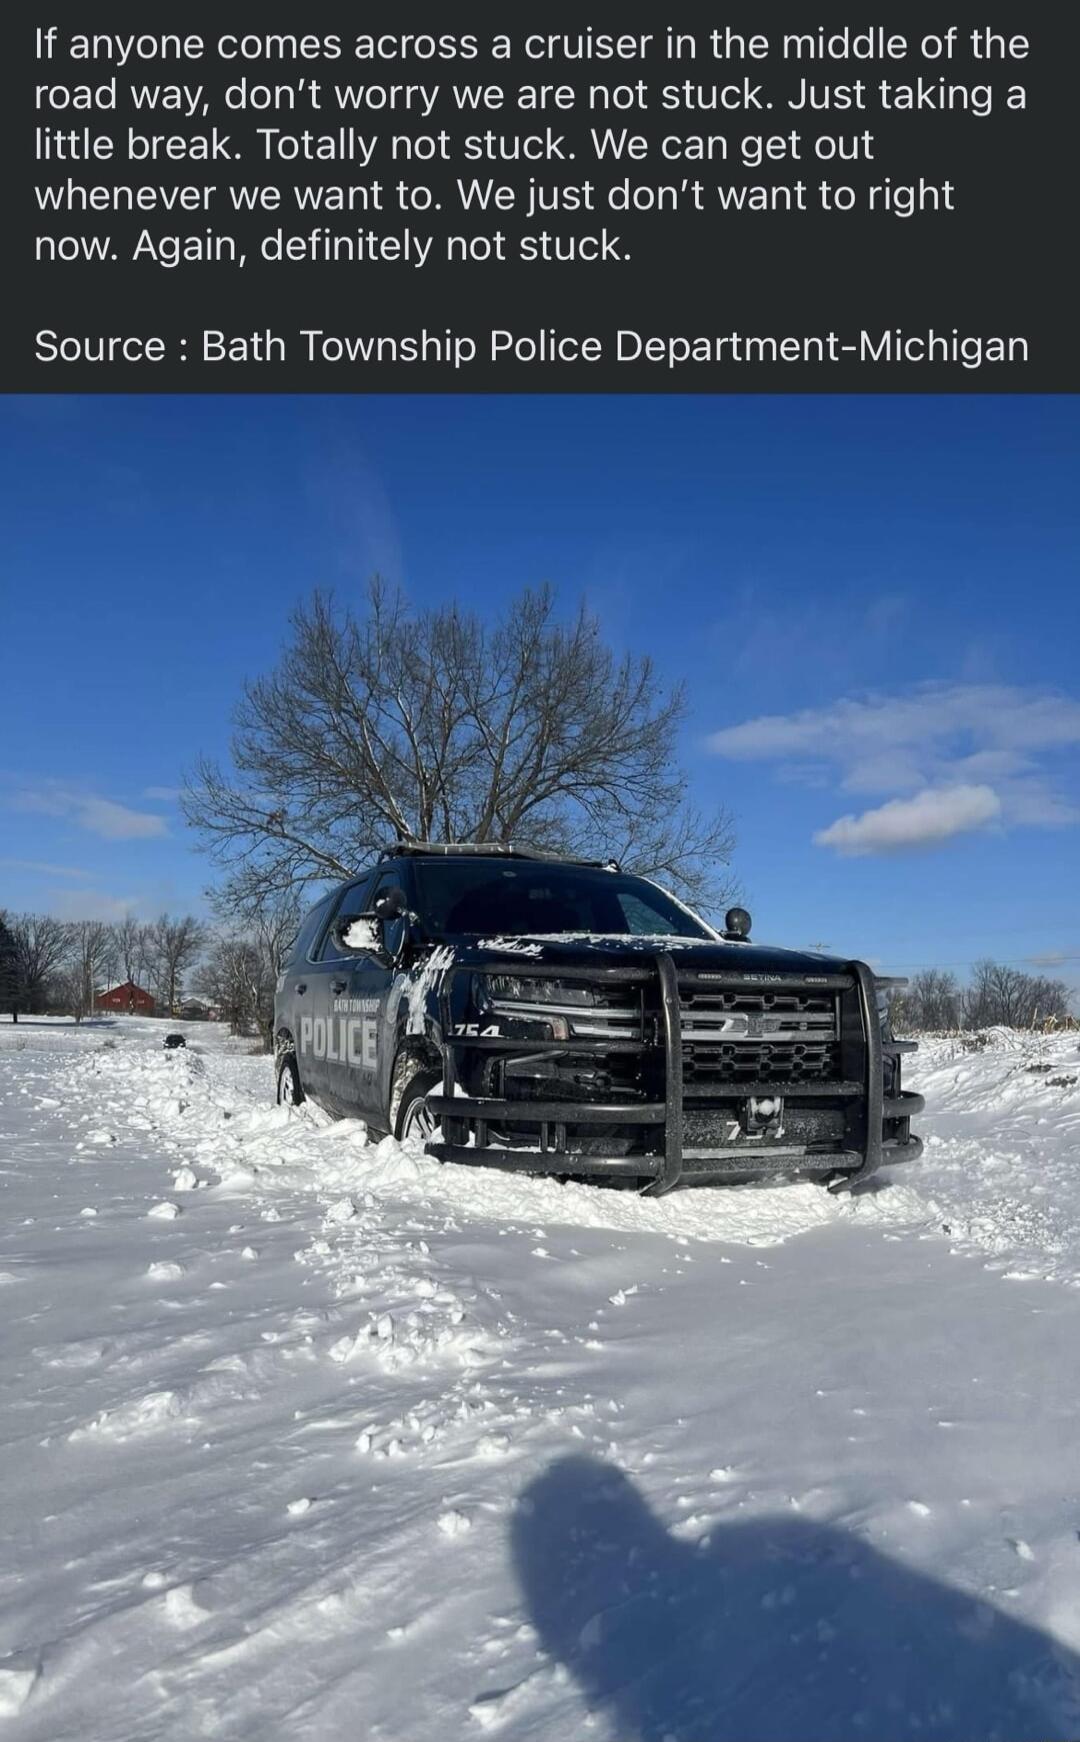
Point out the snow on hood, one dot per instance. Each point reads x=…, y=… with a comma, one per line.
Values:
x=626, y=940
x=716, y=951
x=514, y=946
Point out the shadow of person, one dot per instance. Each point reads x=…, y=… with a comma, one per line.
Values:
x=776, y=1630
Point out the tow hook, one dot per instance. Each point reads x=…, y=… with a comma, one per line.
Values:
x=837, y=1183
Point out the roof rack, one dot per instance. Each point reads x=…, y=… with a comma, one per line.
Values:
x=488, y=850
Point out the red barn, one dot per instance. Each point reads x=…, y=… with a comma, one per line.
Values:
x=128, y=1000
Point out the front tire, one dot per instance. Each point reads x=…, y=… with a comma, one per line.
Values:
x=290, y=1090
x=413, y=1118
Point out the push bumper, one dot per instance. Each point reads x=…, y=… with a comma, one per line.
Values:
x=676, y=1158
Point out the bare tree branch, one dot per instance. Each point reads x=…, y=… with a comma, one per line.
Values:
x=398, y=724
x=172, y=947
x=42, y=947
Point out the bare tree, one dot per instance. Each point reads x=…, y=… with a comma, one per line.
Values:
x=130, y=948
x=931, y=1002
x=90, y=957
x=241, y=969
x=237, y=978
x=408, y=725
x=274, y=928
x=41, y=949
x=978, y=998
x=271, y=924
x=172, y=946
x=1002, y=996
x=997, y=995
x=10, y=987
x=1051, y=1000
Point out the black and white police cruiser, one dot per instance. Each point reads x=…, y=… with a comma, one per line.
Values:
x=559, y=1016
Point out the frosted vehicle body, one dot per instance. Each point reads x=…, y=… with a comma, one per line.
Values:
x=562, y=1017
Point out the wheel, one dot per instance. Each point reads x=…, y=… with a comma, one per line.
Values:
x=290, y=1090
x=413, y=1118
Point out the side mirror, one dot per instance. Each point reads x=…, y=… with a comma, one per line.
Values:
x=736, y=926
x=360, y=936
x=392, y=904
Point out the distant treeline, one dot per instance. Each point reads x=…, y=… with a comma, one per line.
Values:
x=51, y=966
x=54, y=965
x=996, y=995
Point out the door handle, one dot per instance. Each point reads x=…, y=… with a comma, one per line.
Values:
x=301, y=986
x=339, y=985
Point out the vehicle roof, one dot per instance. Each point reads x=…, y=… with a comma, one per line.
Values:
x=488, y=850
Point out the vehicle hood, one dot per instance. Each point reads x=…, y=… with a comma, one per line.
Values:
x=576, y=949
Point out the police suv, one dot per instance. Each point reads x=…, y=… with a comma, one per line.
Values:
x=558, y=1016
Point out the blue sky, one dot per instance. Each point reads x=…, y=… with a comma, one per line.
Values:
x=874, y=603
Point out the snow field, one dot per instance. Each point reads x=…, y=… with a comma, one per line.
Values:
x=354, y=1444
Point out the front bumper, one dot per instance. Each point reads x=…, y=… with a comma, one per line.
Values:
x=670, y=1138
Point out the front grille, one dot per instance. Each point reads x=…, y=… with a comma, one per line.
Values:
x=590, y=1066
x=767, y=1003
x=733, y=1034
x=752, y=1034
x=750, y=1062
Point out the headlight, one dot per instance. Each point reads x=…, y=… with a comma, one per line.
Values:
x=516, y=989
x=563, y=1007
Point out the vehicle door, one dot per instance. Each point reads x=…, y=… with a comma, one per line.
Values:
x=325, y=1034
x=290, y=998
x=375, y=978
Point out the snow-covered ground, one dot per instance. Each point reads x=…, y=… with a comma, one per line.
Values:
x=308, y=1438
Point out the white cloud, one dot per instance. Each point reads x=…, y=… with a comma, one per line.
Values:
x=1035, y=804
x=932, y=719
x=100, y=816
x=115, y=822
x=42, y=869
x=89, y=904
x=926, y=820
x=934, y=737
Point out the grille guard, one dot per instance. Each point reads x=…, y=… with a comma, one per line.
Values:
x=665, y=1170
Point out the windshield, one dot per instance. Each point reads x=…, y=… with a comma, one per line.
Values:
x=461, y=898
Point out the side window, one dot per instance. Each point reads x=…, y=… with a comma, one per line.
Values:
x=310, y=927
x=354, y=901
x=394, y=931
